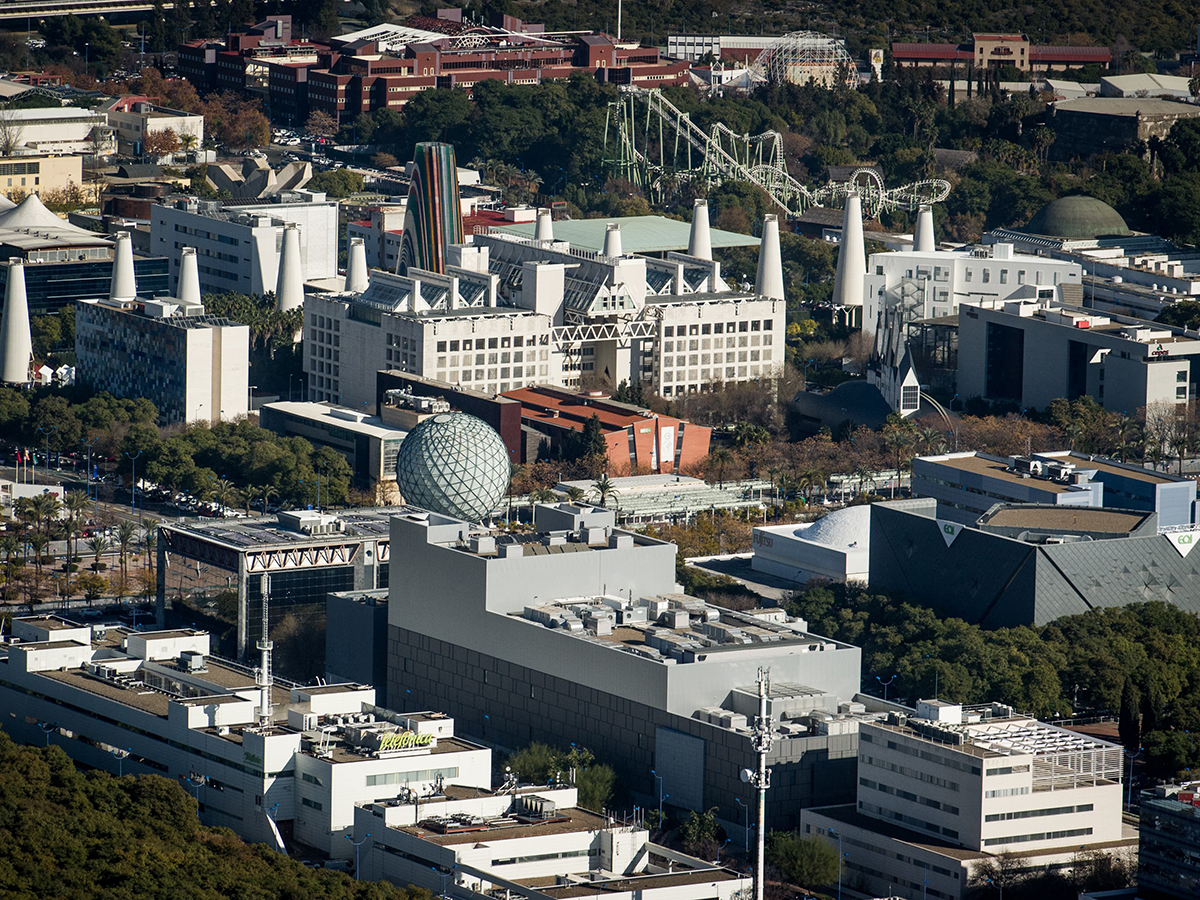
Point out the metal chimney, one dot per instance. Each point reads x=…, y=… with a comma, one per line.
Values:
x=357, y=277
x=16, y=342
x=770, y=264
x=289, y=286
x=699, y=241
x=124, y=283
x=188, y=288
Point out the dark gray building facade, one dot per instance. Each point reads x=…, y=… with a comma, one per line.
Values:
x=1029, y=564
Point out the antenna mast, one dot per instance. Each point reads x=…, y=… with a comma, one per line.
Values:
x=264, y=669
x=761, y=778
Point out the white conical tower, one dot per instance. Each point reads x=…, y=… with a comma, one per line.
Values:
x=188, y=289
x=544, y=231
x=770, y=264
x=357, y=274
x=612, y=240
x=852, y=256
x=699, y=241
x=289, y=286
x=16, y=343
x=923, y=239
x=124, y=283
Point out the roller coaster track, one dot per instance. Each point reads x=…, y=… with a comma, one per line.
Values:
x=643, y=124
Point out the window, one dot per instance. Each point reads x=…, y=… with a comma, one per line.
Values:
x=1020, y=276
x=1004, y=276
x=987, y=275
x=1181, y=375
x=910, y=397
x=968, y=276
x=311, y=779
x=313, y=804
x=1180, y=393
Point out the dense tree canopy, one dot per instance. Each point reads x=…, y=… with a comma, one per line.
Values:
x=1039, y=670
x=68, y=835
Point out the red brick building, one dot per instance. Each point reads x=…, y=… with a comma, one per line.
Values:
x=639, y=441
x=387, y=69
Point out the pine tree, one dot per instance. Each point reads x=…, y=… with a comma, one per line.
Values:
x=1129, y=727
x=593, y=438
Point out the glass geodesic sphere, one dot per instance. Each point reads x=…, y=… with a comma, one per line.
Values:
x=453, y=464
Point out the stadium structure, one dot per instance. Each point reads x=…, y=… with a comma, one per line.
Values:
x=808, y=57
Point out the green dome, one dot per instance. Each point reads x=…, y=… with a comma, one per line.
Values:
x=1077, y=218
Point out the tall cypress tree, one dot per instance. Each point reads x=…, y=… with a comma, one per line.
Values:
x=1129, y=726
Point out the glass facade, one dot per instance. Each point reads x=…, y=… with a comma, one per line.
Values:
x=53, y=285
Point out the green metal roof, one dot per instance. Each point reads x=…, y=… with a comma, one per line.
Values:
x=639, y=234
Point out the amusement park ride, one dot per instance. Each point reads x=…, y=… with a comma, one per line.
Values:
x=650, y=141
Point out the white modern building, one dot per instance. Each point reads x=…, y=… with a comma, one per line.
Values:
x=577, y=633
x=930, y=284
x=68, y=129
x=239, y=244
x=512, y=311
x=837, y=547
x=528, y=841
x=263, y=761
x=1031, y=352
x=191, y=365
x=966, y=485
x=945, y=790
x=136, y=117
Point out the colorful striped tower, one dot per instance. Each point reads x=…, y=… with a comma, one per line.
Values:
x=433, y=219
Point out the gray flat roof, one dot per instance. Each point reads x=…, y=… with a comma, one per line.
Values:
x=248, y=535
x=1127, y=106
x=639, y=234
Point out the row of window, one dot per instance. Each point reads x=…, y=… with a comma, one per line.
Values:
x=704, y=359
x=1038, y=813
x=908, y=773
x=909, y=796
x=894, y=816
x=910, y=750
x=718, y=328
x=1043, y=836
x=409, y=777
x=1006, y=792
x=492, y=343
x=731, y=373
x=710, y=343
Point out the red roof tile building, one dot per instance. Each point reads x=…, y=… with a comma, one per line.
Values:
x=991, y=51
x=639, y=441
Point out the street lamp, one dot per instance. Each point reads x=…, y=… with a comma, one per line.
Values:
x=88, y=445
x=197, y=782
x=841, y=856
x=42, y=429
x=1132, y=757
x=48, y=729
x=357, y=846
x=133, y=485
x=885, y=685
x=86, y=46
x=722, y=847
x=120, y=755
x=999, y=885
x=445, y=874
x=660, y=796
x=739, y=802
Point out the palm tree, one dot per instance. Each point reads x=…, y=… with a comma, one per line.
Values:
x=46, y=508
x=126, y=536
x=897, y=439
x=99, y=545
x=9, y=546
x=37, y=543
x=150, y=541
x=540, y=495
x=223, y=494
x=604, y=490
x=265, y=493
x=1126, y=433
x=575, y=494
x=720, y=459
x=811, y=480
x=76, y=503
